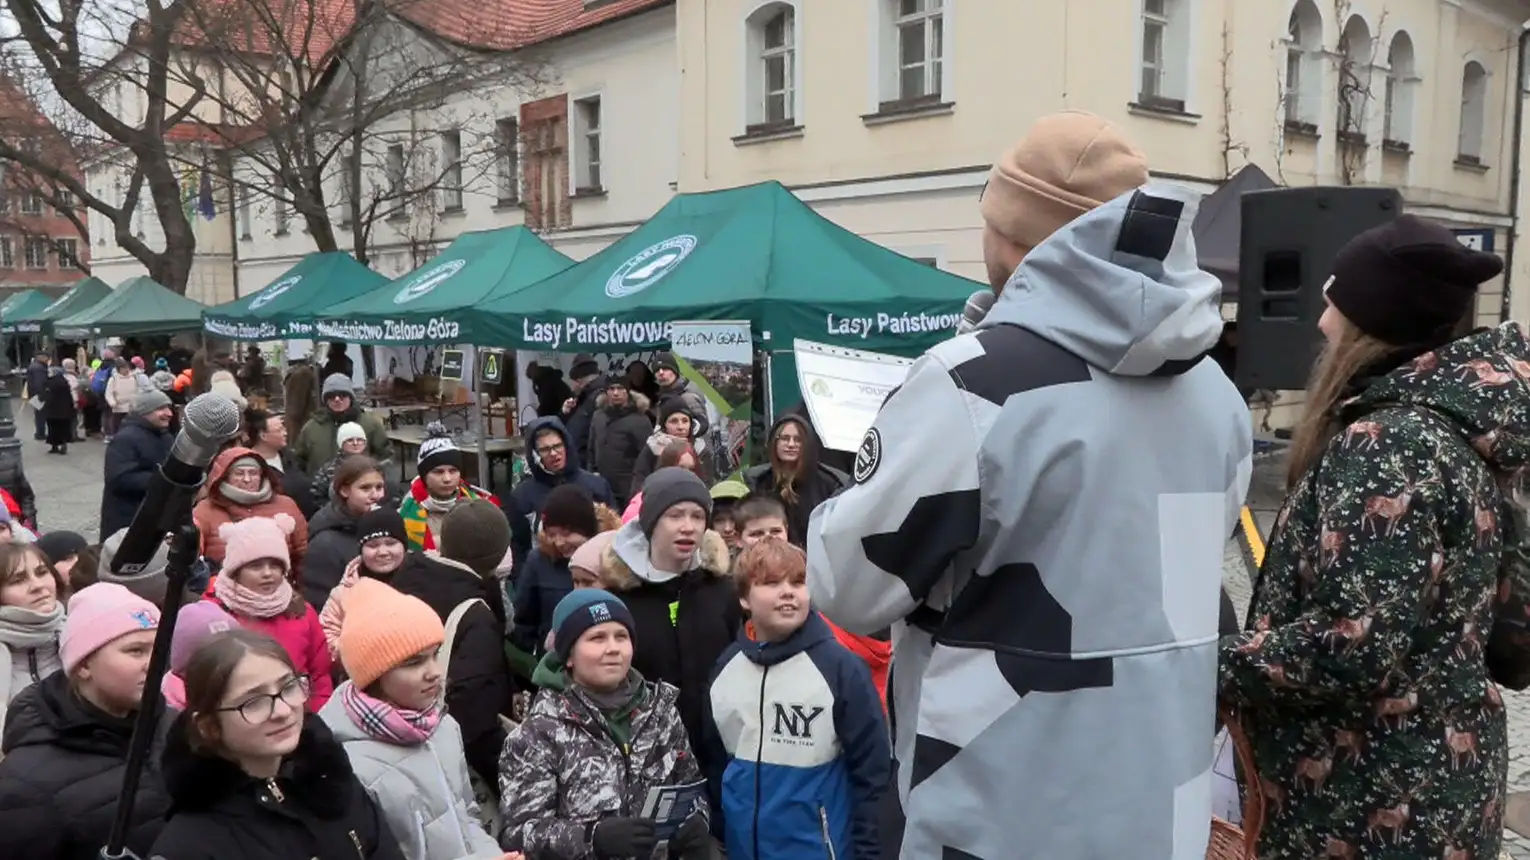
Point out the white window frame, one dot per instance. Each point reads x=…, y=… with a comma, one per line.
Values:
x=67, y=249
x=7, y=252
x=36, y=261
x=281, y=218
x=886, y=87
x=242, y=211
x=395, y=181
x=583, y=180
x=754, y=56
x=1471, y=130
x=32, y=203
x=1399, y=97
x=508, y=165
x=1309, y=62
x=1174, y=81
x=451, y=170
x=345, y=191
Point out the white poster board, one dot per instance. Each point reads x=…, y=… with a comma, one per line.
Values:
x=845, y=388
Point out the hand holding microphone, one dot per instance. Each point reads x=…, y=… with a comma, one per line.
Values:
x=977, y=307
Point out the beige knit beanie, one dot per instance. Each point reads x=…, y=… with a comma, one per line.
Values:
x=1066, y=165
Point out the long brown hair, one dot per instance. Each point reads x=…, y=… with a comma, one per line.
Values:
x=1340, y=362
x=28, y=556
x=785, y=475
x=207, y=675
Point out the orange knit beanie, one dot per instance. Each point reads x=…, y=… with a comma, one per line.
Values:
x=1066, y=165
x=383, y=628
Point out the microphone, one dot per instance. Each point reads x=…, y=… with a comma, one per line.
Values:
x=208, y=422
x=977, y=307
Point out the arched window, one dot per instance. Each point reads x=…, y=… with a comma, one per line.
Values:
x=1304, y=46
x=1397, y=107
x=1473, y=113
x=1356, y=52
x=772, y=74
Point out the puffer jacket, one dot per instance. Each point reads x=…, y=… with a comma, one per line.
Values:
x=684, y=624
x=314, y=807
x=61, y=778
x=132, y=458
x=524, y=506
x=121, y=391
x=1390, y=606
x=302, y=638
x=617, y=437
x=27, y=667
x=561, y=772
x=422, y=791
x=216, y=509
x=316, y=444
x=332, y=543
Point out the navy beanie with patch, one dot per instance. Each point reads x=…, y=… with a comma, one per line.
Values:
x=581, y=609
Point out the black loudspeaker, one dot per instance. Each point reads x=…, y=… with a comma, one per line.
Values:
x=1289, y=241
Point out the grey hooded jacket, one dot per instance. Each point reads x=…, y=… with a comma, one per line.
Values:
x=1041, y=509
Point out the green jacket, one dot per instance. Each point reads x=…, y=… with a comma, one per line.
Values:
x=316, y=443
x=1366, y=677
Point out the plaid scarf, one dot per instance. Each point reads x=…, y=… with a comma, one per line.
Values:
x=382, y=721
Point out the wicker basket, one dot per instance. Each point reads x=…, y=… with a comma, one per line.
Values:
x=1228, y=840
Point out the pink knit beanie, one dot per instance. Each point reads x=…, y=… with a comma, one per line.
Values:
x=98, y=614
x=256, y=538
x=195, y=624
x=1067, y=164
x=589, y=553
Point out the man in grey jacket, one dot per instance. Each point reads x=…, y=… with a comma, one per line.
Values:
x=1040, y=510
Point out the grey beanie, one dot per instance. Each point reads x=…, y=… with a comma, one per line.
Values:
x=149, y=400
x=666, y=488
x=338, y=383
x=149, y=583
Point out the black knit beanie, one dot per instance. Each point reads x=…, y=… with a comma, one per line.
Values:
x=381, y=522
x=673, y=405
x=570, y=506
x=1408, y=282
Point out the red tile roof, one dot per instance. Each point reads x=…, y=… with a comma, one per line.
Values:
x=305, y=29
x=509, y=24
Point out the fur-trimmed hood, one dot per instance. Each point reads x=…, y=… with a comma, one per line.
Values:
x=606, y=520
x=628, y=554
x=638, y=401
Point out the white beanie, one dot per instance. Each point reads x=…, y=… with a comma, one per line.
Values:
x=349, y=430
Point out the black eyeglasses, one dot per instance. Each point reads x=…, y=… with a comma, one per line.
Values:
x=261, y=707
x=550, y=449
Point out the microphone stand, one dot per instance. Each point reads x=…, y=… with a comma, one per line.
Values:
x=184, y=546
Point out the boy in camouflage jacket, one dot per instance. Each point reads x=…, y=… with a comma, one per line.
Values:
x=574, y=775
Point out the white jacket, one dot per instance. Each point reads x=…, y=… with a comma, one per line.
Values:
x=423, y=791
x=24, y=667
x=121, y=389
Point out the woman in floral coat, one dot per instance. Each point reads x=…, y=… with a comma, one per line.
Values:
x=1367, y=680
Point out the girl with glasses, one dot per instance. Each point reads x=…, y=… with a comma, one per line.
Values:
x=66, y=736
x=252, y=775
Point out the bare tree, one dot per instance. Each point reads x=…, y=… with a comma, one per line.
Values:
x=344, y=113
x=98, y=70
x=1231, y=144
x=1354, y=63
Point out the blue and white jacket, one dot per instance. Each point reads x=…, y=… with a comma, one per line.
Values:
x=799, y=741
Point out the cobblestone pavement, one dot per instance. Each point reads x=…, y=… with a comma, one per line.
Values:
x=69, y=497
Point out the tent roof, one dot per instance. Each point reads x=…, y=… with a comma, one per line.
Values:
x=438, y=302
x=23, y=305
x=1218, y=227
x=753, y=253
x=287, y=305
x=138, y=306
x=85, y=293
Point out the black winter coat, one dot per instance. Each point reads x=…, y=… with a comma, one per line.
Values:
x=680, y=647
x=37, y=378
x=295, y=483
x=58, y=399
x=62, y=775
x=821, y=482
x=132, y=458
x=542, y=582
x=523, y=508
x=315, y=808
x=332, y=543
x=478, y=685
x=579, y=421
x=620, y=436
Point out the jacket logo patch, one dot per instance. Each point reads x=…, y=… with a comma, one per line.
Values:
x=869, y=456
x=794, y=722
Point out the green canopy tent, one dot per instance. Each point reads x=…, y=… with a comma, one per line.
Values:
x=286, y=307
x=85, y=293
x=754, y=253
x=435, y=303
x=22, y=306
x=139, y=306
